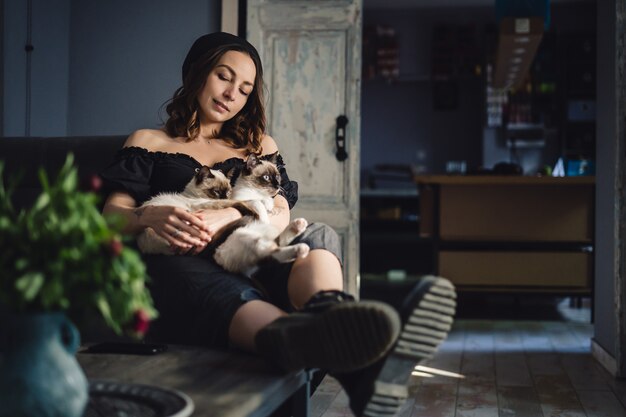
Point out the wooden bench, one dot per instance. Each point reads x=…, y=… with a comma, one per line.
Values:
x=224, y=384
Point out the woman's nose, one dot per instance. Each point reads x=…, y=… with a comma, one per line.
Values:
x=229, y=94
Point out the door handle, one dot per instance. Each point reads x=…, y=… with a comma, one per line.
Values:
x=340, y=137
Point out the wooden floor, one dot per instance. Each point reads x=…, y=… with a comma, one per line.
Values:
x=505, y=368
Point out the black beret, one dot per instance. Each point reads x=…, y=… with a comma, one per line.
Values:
x=208, y=42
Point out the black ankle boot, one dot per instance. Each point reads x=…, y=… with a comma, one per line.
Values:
x=324, y=299
x=332, y=332
x=381, y=388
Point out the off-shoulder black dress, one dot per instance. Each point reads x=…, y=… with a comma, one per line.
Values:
x=195, y=297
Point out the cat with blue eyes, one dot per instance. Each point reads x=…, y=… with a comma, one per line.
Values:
x=247, y=242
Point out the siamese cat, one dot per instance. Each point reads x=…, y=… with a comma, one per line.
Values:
x=245, y=243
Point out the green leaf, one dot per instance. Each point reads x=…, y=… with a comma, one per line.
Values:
x=52, y=293
x=69, y=182
x=30, y=284
x=21, y=264
x=68, y=165
x=42, y=201
x=105, y=310
x=5, y=222
x=43, y=179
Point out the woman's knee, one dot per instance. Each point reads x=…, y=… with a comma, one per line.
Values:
x=322, y=236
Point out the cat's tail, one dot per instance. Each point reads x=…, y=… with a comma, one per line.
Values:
x=220, y=237
x=246, y=209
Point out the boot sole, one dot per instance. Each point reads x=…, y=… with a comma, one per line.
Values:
x=343, y=338
x=431, y=310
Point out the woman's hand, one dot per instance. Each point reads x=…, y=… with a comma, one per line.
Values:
x=213, y=220
x=183, y=230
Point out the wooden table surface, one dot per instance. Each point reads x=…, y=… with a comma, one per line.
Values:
x=224, y=384
x=502, y=179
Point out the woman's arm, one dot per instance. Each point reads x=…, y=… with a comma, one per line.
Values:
x=179, y=227
x=280, y=215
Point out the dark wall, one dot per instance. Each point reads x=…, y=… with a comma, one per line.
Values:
x=98, y=67
x=399, y=123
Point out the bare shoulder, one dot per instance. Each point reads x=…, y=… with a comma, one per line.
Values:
x=268, y=144
x=146, y=138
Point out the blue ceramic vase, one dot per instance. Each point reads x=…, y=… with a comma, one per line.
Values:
x=39, y=375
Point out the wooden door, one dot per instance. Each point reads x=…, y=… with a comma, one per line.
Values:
x=311, y=53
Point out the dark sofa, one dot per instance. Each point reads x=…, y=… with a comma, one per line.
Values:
x=27, y=154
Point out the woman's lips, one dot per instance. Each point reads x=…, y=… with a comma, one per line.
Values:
x=220, y=105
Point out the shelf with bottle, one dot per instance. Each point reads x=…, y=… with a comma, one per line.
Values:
x=528, y=108
x=533, y=103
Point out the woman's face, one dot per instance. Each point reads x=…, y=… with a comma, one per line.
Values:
x=227, y=87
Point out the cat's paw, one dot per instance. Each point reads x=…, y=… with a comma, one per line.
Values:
x=302, y=250
x=268, y=203
x=263, y=217
x=298, y=225
x=259, y=208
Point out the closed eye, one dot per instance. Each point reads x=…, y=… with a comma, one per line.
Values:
x=225, y=78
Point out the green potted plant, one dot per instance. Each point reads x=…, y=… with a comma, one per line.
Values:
x=60, y=258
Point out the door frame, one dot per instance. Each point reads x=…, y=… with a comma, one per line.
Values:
x=609, y=344
x=618, y=190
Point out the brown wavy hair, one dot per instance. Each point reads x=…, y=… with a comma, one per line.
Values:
x=244, y=131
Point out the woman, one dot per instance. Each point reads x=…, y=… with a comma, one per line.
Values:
x=217, y=119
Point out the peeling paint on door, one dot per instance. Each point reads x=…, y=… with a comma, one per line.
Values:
x=311, y=53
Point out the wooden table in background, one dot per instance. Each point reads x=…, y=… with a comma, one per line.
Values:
x=510, y=233
x=221, y=384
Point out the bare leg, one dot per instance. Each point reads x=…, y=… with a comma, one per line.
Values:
x=317, y=272
x=248, y=320
x=320, y=270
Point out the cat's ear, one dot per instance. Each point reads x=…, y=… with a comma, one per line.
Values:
x=272, y=157
x=251, y=162
x=203, y=173
x=229, y=172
